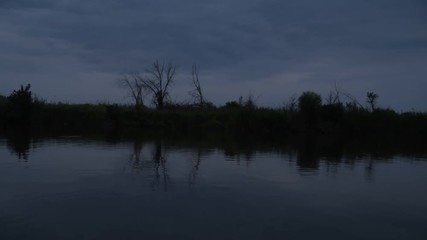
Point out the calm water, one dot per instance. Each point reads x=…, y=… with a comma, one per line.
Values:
x=72, y=188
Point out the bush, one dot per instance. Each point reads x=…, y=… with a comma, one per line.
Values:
x=19, y=105
x=309, y=104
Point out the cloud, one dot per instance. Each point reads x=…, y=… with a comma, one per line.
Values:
x=272, y=48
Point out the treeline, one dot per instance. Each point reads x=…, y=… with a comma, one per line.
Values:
x=306, y=115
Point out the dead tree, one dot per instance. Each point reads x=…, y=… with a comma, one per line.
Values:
x=334, y=97
x=354, y=103
x=160, y=78
x=292, y=104
x=371, y=99
x=197, y=92
x=134, y=84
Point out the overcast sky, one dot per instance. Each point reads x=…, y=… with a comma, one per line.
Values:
x=75, y=50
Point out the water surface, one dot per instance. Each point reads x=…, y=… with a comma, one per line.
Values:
x=75, y=188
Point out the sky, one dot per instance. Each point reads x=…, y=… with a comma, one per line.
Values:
x=76, y=50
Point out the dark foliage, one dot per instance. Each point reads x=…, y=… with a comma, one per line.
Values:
x=18, y=106
x=236, y=118
x=310, y=104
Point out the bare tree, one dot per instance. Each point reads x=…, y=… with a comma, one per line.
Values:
x=197, y=92
x=371, y=99
x=133, y=82
x=334, y=97
x=354, y=103
x=160, y=77
x=292, y=104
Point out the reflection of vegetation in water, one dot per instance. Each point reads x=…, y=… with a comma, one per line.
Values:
x=135, y=156
x=311, y=154
x=156, y=161
x=161, y=177
x=195, y=164
x=19, y=143
x=307, y=157
x=234, y=151
x=200, y=152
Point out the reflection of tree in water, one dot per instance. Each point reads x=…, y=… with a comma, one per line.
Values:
x=310, y=154
x=19, y=143
x=307, y=156
x=334, y=154
x=135, y=157
x=369, y=169
x=161, y=176
x=235, y=153
x=370, y=163
x=156, y=162
x=195, y=164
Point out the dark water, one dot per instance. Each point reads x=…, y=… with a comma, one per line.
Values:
x=72, y=188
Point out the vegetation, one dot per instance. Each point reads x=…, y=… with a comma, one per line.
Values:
x=19, y=105
x=305, y=115
x=310, y=104
x=372, y=100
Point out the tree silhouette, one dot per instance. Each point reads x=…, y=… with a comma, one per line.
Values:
x=19, y=105
x=197, y=92
x=161, y=76
x=309, y=104
x=133, y=82
x=371, y=99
